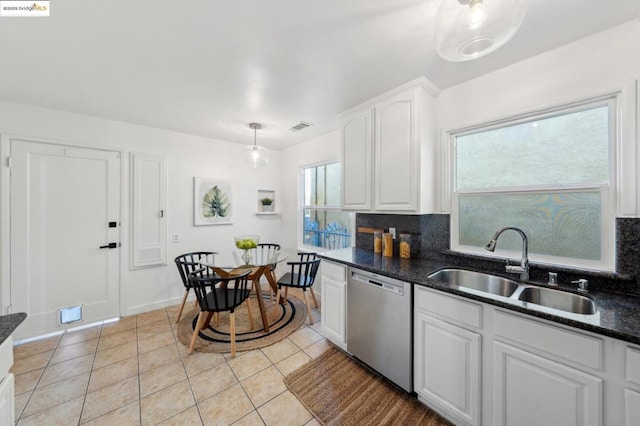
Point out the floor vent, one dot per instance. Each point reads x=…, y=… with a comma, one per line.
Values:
x=300, y=126
x=70, y=314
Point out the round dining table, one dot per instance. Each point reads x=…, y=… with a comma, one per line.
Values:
x=259, y=262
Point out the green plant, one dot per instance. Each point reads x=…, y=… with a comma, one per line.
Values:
x=266, y=201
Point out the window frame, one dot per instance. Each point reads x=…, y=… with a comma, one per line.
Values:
x=302, y=207
x=607, y=190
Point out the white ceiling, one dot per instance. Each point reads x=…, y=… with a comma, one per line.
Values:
x=210, y=67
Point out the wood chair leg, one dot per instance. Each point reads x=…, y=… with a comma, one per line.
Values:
x=208, y=320
x=313, y=296
x=232, y=323
x=286, y=293
x=306, y=302
x=199, y=325
x=184, y=300
x=250, y=313
x=216, y=319
x=276, y=305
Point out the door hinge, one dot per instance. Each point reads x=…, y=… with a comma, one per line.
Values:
x=9, y=162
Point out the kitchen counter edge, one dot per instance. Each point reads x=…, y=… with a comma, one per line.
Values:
x=9, y=323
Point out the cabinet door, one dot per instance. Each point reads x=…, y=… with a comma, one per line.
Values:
x=447, y=368
x=396, y=171
x=531, y=390
x=333, y=308
x=7, y=401
x=356, y=162
x=632, y=407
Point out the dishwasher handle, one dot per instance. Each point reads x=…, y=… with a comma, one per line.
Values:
x=388, y=286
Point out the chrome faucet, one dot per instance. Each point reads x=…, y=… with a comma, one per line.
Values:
x=523, y=269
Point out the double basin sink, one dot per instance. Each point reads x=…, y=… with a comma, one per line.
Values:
x=503, y=287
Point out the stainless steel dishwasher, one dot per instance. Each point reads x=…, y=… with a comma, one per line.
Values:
x=379, y=325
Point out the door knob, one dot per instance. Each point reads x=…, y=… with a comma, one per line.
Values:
x=109, y=246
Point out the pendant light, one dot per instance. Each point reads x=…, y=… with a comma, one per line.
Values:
x=259, y=155
x=469, y=29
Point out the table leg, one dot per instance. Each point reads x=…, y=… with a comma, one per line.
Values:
x=258, y=288
x=272, y=281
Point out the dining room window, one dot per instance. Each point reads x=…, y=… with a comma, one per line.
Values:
x=324, y=225
x=550, y=174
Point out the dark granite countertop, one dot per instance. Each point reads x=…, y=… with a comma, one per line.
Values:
x=618, y=314
x=8, y=324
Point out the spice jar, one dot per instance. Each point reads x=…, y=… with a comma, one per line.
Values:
x=387, y=244
x=377, y=241
x=405, y=246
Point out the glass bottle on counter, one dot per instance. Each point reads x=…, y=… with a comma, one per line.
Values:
x=377, y=241
x=387, y=244
x=405, y=246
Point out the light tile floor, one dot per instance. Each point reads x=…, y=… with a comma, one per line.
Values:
x=136, y=372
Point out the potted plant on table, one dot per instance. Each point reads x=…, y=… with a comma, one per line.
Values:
x=267, y=204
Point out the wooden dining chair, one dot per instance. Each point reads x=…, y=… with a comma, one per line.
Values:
x=219, y=294
x=188, y=263
x=302, y=275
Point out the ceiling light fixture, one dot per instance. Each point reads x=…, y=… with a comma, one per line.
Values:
x=259, y=154
x=469, y=29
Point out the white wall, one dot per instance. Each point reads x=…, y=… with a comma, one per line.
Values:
x=603, y=63
x=187, y=156
x=322, y=149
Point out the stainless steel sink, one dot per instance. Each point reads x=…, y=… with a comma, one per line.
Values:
x=476, y=281
x=568, y=302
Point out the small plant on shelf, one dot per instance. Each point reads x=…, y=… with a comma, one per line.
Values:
x=267, y=204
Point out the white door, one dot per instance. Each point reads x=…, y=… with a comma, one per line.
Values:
x=65, y=206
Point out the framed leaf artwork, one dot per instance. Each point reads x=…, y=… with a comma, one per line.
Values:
x=211, y=201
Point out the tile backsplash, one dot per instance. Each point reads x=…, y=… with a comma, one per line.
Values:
x=431, y=239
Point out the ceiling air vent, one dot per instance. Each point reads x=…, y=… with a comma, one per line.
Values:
x=300, y=126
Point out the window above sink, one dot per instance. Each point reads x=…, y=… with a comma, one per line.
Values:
x=550, y=173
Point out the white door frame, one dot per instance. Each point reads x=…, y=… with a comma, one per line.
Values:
x=5, y=208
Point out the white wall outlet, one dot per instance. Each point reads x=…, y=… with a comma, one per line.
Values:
x=176, y=238
x=392, y=231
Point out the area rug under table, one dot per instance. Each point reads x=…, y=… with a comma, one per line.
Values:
x=339, y=391
x=216, y=338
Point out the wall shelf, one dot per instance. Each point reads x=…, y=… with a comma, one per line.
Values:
x=266, y=193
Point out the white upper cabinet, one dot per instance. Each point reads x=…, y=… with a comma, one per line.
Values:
x=357, y=154
x=389, y=151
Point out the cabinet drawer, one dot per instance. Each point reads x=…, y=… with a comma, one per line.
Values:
x=6, y=356
x=573, y=347
x=633, y=365
x=450, y=308
x=334, y=270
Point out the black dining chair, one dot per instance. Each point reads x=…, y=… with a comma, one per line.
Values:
x=220, y=294
x=301, y=276
x=188, y=263
x=268, y=250
x=305, y=256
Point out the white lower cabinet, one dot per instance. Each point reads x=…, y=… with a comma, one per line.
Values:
x=632, y=407
x=532, y=390
x=448, y=366
x=632, y=386
x=333, y=304
x=447, y=361
x=7, y=400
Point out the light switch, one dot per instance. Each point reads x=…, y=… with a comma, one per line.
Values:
x=176, y=238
